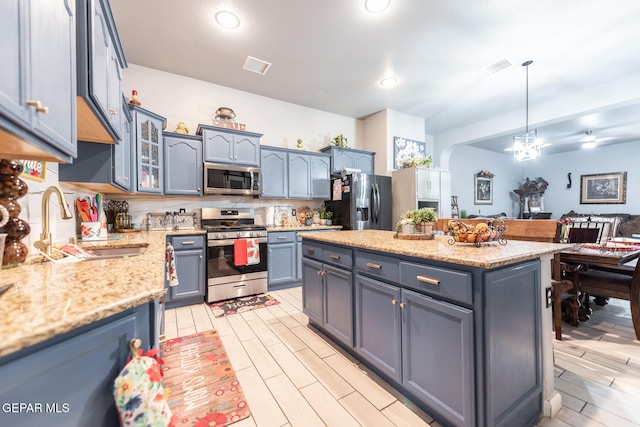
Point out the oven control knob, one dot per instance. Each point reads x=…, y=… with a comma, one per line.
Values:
x=239, y=234
x=225, y=235
x=253, y=234
x=217, y=236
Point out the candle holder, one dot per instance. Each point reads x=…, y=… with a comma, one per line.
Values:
x=522, y=193
x=11, y=189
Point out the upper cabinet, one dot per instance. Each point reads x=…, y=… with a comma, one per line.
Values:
x=230, y=145
x=183, y=170
x=148, y=149
x=100, y=61
x=37, y=80
x=349, y=158
x=294, y=174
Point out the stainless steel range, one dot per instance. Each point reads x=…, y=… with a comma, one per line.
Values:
x=228, y=277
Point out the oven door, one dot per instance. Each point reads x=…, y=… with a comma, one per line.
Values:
x=221, y=268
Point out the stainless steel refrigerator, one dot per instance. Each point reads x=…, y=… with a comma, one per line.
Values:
x=365, y=202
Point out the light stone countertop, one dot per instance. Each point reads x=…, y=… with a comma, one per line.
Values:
x=271, y=228
x=50, y=299
x=488, y=255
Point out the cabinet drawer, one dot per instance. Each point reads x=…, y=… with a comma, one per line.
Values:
x=381, y=266
x=282, y=237
x=312, y=249
x=338, y=256
x=187, y=242
x=454, y=285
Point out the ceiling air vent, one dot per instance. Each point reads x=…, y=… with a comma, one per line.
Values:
x=498, y=66
x=256, y=65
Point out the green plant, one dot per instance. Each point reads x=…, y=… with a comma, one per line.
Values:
x=404, y=221
x=340, y=141
x=328, y=215
x=425, y=215
x=323, y=212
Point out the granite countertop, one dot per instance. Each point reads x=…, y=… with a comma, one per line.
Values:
x=273, y=228
x=50, y=299
x=488, y=255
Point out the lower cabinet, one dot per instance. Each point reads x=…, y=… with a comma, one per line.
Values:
x=190, y=269
x=462, y=342
x=71, y=376
x=327, y=298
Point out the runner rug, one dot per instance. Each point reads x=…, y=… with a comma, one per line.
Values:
x=200, y=384
x=239, y=305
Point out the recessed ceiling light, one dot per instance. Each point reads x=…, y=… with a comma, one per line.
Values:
x=388, y=82
x=227, y=19
x=375, y=6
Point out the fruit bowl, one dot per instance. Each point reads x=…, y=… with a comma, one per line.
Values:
x=483, y=232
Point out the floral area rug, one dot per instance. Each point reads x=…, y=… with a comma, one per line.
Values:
x=239, y=305
x=200, y=384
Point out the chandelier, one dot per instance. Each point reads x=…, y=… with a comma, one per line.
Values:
x=527, y=146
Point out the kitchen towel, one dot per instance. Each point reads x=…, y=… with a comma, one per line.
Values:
x=139, y=394
x=253, y=251
x=240, y=252
x=170, y=266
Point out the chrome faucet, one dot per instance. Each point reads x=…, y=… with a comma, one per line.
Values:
x=45, y=242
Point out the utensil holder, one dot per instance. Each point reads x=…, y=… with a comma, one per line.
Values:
x=90, y=230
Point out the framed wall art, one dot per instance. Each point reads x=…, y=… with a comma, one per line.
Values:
x=483, y=191
x=603, y=188
x=34, y=169
x=404, y=148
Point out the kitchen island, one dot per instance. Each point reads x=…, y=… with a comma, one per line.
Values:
x=465, y=332
x=66, y=330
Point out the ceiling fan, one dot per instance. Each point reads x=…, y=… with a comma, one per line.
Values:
x=590, y=139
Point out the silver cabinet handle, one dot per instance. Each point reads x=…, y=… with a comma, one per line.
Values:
x=282, y=237
x=188, y=243
x=38, y=106
x=334, y=256
x=311, y=250
x=428, y=280
x=372, y=265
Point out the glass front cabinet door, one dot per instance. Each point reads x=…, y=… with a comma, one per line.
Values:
x=149, y=148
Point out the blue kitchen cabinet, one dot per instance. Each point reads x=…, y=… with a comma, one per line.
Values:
x=274, y=177
x=100, y=61
x=183, y=168
x=443, y=334
x=100, y=167
x=350, y=158
x=293, y=174
x=299, y=176
x=122, y=152
x=72, y=375
x=320, y=176
x=282, y=260
x=38, y=80
x=190, y=269
x=327, y=290
x=230, y=145
x=149, y=149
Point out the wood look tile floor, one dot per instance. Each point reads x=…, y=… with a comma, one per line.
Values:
x=292, y=375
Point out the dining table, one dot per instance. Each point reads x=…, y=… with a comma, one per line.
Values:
x=614, y=255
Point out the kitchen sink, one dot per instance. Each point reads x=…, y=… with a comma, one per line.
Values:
x=110, y=253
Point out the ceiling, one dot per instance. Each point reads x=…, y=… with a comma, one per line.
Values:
x=332, y=54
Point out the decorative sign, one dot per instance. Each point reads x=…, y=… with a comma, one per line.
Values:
x=34, y=169
x=407, y=149
x=228, y=124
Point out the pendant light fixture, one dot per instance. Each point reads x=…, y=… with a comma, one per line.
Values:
x=527, y=146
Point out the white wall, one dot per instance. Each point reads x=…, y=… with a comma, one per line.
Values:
x=195, y=102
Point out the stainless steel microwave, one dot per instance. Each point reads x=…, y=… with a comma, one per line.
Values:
x=231, y=179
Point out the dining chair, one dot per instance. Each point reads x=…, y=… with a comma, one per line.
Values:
x=564, y=282
x=613, y=283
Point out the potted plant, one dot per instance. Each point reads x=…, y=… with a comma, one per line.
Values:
x=309, y=218
x=340, y=141
x=328, y=215
x=424, y=219
x=323, y=215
